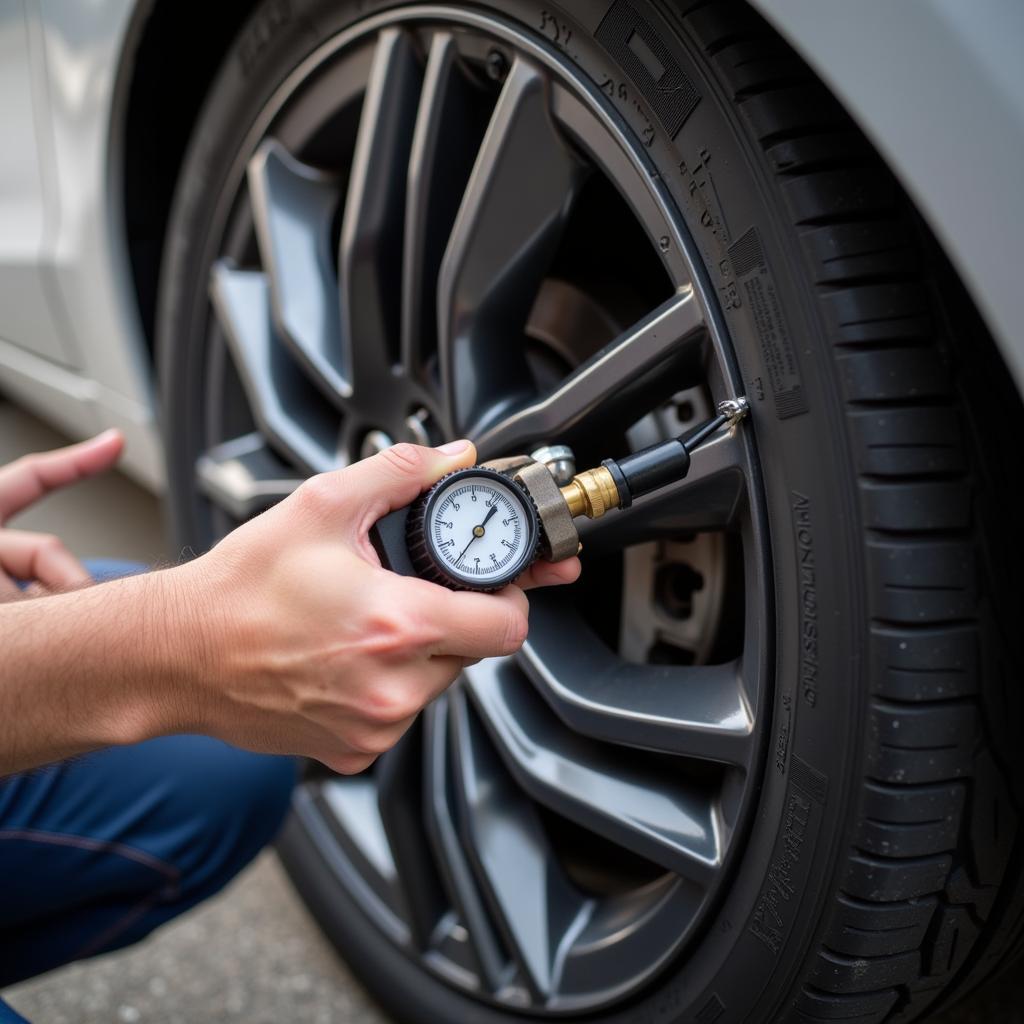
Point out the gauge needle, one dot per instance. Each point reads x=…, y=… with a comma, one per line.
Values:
x=478, y=531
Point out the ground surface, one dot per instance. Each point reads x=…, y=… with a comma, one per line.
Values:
x=251, y=954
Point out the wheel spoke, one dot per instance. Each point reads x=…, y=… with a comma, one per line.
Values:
x=293, y=205
x=692, y=710
x=661, y=818
x=534, y=902
x=371, y=234
x=357, y=846
x=445, y=143
x=708, y=498
x=626, y=378
x=506, y=232
x=244, y=477
x=456, y=873
x=289, y=413
x=400, y=800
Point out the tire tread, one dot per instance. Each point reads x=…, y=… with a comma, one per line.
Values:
x=927, y=857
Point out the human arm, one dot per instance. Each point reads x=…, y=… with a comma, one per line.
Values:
x=286, y=637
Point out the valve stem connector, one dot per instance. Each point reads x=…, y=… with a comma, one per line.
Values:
x=616, y=482
x=591, y=493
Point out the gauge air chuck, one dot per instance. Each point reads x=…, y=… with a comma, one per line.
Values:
x=480, y=528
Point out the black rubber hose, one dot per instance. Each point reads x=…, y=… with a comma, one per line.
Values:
x=659, y=465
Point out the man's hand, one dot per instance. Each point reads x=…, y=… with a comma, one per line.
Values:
x=38, y=557
x=301, y=643
x=287, y=637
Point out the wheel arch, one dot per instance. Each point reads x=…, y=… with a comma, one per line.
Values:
x=171, y=52
x=960, y=165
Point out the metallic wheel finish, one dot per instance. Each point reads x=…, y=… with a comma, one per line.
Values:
x=554, y=830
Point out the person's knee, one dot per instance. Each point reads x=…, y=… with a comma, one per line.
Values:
x=231, y=804
x=254, y=792
x=258, y=788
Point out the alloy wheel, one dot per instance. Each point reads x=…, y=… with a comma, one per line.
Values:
x=439, y=229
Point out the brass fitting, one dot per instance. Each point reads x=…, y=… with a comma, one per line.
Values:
x=591, y=493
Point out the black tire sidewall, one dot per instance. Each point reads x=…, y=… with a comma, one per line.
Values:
x=756, y=946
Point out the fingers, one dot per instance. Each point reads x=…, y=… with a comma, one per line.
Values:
x=363, y=493
x=42, y=557
x=443, y=670
x=550, y=574
x=408, y=694
x=27, y=479
x=478, y=625
x=399, y=474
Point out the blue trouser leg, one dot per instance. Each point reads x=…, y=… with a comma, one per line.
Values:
x=97, y=852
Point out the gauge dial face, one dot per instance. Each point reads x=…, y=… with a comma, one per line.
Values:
x=480, y=530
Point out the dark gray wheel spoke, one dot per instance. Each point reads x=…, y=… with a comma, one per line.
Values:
x=363, y=855
x=456, y=873
x=293, y=205
x=653, y=814
x=371, y=237
x=696, y=710
x=710, y=497
x=290, y=415
x=400, y=801
x=621, y=382
x=244, y=476
x=443, y=150
x=505, y=235
x=593, y=961
x=534, y=902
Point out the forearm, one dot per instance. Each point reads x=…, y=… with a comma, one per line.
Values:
x=109, y=664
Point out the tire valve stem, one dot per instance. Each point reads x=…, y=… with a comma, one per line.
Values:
x=616, y=482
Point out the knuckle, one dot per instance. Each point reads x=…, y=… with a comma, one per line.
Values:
x=49, y=543
x=317, y=494
x=514, y=632
x=396, y=628
x=387, y=704
x=385, y=630
x=404, y=457
x=26, y=463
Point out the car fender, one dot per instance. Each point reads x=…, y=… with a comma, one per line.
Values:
x=939, y=89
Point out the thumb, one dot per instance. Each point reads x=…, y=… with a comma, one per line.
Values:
x=398, y=475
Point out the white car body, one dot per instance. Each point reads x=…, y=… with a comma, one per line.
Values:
x=938, y=85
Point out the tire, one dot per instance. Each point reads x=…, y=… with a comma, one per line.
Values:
x=880, y=872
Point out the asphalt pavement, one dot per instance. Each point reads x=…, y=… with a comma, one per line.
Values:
x=252, y=953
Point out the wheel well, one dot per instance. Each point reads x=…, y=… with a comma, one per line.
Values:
x=173, y=51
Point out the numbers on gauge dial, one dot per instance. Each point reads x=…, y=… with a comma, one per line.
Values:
x=478, y=529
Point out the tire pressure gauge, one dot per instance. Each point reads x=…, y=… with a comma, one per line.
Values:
x=476, y=529
x=480, y=528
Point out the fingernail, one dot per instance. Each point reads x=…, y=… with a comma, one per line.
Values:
x=453, y=447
